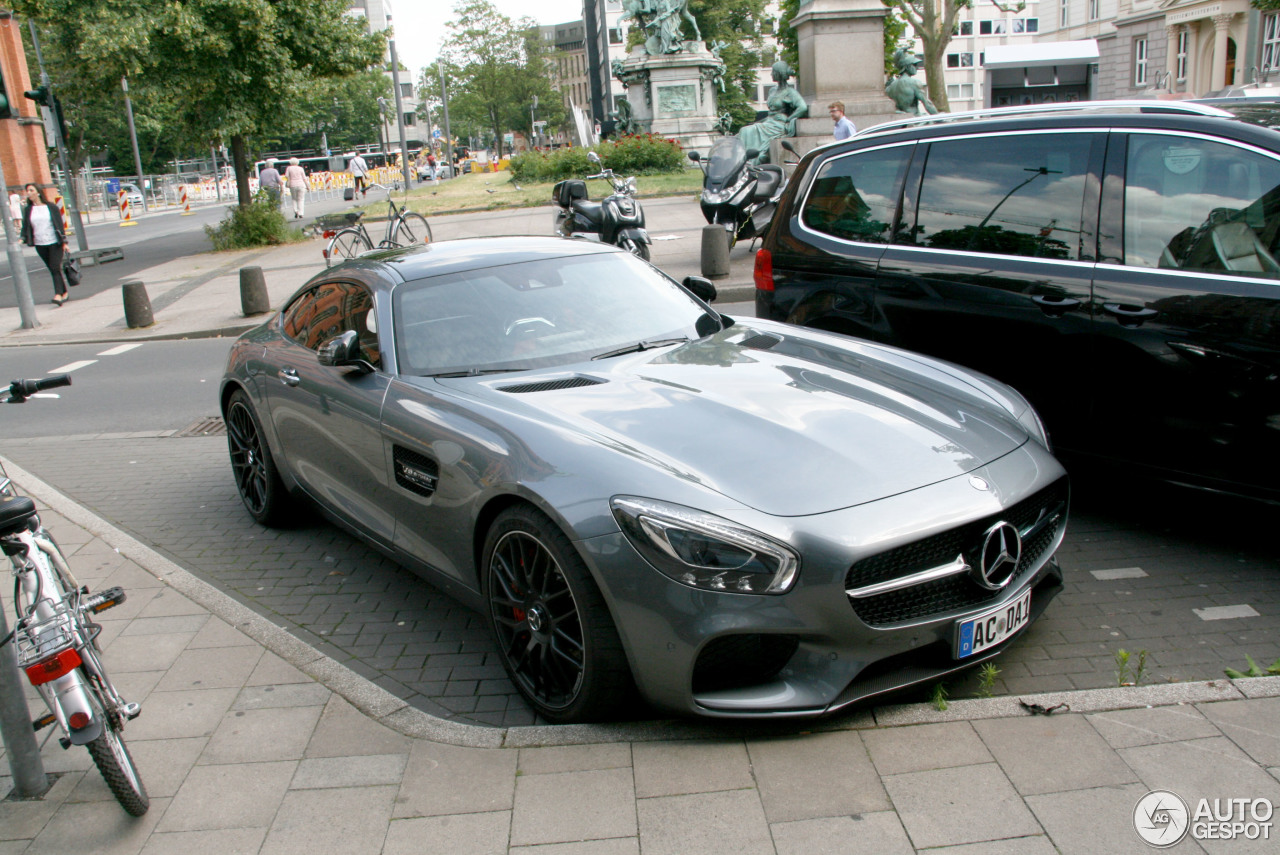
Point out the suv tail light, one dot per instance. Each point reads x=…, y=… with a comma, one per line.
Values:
x=764, y=270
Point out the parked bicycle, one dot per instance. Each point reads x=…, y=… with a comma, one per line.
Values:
x=404, y=228
x=57, y=640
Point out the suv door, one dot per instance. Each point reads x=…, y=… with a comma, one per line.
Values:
x=992, y=265
x=825, y=256
x=1187, y=307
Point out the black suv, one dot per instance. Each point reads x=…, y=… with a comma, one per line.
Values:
x=1115, y=262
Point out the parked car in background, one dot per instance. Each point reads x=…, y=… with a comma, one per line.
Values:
x=1115, y=262
x=738, y=517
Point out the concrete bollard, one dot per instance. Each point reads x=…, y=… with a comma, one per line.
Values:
x=715, y=251
x=253, y=292
x=137, y=305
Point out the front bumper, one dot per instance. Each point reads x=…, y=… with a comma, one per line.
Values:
x=807, y=652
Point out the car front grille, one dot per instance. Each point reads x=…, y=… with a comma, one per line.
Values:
x=957, y=592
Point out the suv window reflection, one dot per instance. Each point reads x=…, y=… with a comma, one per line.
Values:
x=1027, y=198
x=856, y=197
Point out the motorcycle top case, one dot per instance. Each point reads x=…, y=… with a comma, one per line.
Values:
x=566, y=191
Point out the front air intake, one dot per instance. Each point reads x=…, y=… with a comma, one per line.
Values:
x=550, y=385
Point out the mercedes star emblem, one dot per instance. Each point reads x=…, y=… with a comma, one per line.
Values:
x=1001, y=549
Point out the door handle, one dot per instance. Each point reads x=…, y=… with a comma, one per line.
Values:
x=1054, y=305
x=1128, y=314
x=289, y=377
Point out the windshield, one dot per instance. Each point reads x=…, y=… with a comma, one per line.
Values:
x=725, y=161
x=538, y=314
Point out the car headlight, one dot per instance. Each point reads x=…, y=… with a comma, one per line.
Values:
x=704, y=551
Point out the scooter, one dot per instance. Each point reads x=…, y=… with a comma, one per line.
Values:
x=736, y=192
x=617, y=219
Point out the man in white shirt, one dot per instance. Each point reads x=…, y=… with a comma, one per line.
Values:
x=844, y=128
x=359, y=169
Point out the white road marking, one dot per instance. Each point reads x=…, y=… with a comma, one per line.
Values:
x=1225, y=612
x=1119, y=573
x=72, y=366
x=119, y=349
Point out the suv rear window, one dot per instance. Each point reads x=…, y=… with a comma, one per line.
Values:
x=1026, y=198
x=855, y=197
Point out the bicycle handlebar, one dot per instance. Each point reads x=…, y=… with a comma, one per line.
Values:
x=20, y=390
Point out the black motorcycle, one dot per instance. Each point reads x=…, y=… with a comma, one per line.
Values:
x=617, y=219
x=736, y=192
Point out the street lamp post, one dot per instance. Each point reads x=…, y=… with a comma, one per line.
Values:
x=133, y=138
x=404, y=143
x=533, y=123
x=444, y=101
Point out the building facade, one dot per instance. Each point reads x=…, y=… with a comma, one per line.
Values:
x=378, y=16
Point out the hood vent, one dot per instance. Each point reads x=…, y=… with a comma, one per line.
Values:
x=760, y=341
x=551, y=385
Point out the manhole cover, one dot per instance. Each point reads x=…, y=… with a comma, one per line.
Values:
x=211, y=426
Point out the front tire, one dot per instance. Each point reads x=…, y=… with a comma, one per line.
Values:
x=552, y=626
x=257, y=479
x=635, y=247
x=117, y=768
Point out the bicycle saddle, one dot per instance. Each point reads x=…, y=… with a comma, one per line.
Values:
x=14, y=513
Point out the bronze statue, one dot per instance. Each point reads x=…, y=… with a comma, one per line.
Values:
x=786, y=107
x=905, y=91
x=662, y=20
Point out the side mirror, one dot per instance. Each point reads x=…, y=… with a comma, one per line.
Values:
x=694, y=156
x=753, y=153
x=789, y=147
x=700, y=288
x=593, y=157
x=343, y=351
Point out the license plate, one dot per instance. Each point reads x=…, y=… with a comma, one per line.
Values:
x=990, y=628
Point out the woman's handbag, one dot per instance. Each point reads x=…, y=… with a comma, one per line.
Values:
x=71, y=270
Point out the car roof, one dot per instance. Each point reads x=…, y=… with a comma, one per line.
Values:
x=440, y=258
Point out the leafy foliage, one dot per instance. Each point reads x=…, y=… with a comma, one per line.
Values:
x=642, y=154
x=738, y=23
x=260, y=223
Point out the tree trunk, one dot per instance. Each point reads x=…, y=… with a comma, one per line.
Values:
x=935, y=71
x=240, y=161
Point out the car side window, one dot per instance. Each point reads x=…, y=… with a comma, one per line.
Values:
x=329, y=310
x=855, y=197
x=1017, y=194
x=1195, y=204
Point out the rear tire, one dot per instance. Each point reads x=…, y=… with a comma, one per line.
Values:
x=116, y=765
x=413, y=230
x=347, y=243
x=553, y=629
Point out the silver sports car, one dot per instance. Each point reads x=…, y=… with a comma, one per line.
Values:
x=734, y=517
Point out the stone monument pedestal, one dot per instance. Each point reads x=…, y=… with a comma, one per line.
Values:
x=674, y=95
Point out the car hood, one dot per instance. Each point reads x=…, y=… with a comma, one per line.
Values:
x=787, y=424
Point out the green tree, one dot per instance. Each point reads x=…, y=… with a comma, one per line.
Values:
x=233, y=69
x=740, y=24
x=341, y=111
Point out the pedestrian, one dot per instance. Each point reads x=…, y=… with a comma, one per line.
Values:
x=844, y=128
x=431, y=165
x=359, y=170
x=42, y=228
x=269, y=180
x=296, y=178
x=15, y=210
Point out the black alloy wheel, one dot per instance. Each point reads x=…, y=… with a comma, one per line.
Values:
x=552, y=627
x=254, y=469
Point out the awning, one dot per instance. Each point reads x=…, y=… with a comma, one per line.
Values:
x=1041, y=54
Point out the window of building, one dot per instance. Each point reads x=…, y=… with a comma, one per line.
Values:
x=1270, y=45
x=1064, y=16
x=991, y=28
x=615, y=36
x=1027, y=200
x=960, y=60
x=1192, y=204
x=768, y=56
x=960, y=90
x=964, y=28
x=1095, y=9
x=855, y=197
x=406, y=90
x=1140, y=62
x=1026, y=25
x=410, y=119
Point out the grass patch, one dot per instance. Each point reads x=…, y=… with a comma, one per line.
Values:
x=492, y=191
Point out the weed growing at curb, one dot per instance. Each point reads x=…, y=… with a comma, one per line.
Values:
x=987, y=676
x=1272, y=670
x=1130, y=675
x=939, y=699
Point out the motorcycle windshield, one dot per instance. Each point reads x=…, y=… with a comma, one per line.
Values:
x=725, y=161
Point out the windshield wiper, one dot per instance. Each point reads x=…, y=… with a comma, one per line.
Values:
x=476, y=372
x=641, y=346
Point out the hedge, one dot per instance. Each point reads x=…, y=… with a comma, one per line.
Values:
x=641, y=154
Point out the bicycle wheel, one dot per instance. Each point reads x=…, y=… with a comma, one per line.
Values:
x=412, y=230
x=115, y=763
x=347, y=243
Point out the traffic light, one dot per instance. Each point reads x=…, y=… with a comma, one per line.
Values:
x=40, y=95
x=7, y=109
x=44, y=98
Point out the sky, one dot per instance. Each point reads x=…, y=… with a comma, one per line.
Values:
x=421, y=25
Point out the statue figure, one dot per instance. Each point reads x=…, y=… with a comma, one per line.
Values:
x=624, y=122
x=662, y=20
x=723, y=124
x=786, y=107
x=904, y=90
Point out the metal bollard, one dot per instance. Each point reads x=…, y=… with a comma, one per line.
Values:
x=715, y=251
x=253, y=292
x=137, y=305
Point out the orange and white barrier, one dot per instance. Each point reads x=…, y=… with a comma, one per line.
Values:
x=127, y=216
x=186, y=202
x=62, y=209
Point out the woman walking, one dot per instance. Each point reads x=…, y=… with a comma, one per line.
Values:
x=296, y=179
x=42, y=228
